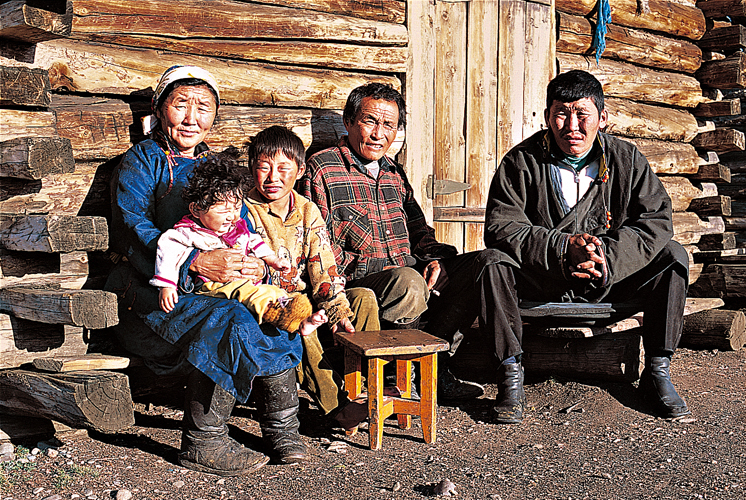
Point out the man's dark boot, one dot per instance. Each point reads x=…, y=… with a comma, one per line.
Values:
x=277, y=402
x=508, y=407
x=452, y=388
x=656, y=387
x=205, y=445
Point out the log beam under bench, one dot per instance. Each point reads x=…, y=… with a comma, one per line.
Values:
x=93, y=309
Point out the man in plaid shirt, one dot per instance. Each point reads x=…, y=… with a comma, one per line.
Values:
x=380, y=236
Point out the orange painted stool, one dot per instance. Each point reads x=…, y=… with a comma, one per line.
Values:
x=403, y=347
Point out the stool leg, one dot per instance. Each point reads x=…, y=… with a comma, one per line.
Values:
x=353, y=377
x=375, y=401
x=428, y=396
x=404, y=383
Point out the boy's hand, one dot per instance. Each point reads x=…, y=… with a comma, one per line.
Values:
x=168, y=297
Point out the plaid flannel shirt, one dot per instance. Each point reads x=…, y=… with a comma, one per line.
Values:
x=373, y=222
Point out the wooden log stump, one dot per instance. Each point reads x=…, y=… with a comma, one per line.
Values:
x=721, y=140
x=614, y=357
x=93, y=309
x=715, y=329
x=52, y=233
x=98, y=400
x=36, y=157
x=20, y=20
x=24, y=87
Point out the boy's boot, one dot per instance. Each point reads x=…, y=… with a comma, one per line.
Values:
x=656, y=387
x=205, y=445
x=510, y=400
x=277, y=403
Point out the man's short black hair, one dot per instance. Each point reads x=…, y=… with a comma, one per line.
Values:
x=273, y=140
x=217, y=178
x=575, y=85
x=374, y=91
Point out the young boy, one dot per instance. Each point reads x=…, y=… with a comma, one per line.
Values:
x=215, y=198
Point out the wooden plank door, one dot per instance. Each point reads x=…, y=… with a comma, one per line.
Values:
x=492, y=62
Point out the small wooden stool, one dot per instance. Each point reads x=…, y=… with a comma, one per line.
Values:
x=402, y=346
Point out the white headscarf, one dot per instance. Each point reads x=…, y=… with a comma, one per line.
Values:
x=173, y=74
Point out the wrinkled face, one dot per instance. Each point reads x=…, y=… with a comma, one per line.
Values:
x=275, y=177
x=374, y=128
x=187, y=115
x=221, y=216
x=575, y=124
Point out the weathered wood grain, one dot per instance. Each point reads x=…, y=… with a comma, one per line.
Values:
x=727, y=281
x=721, y=140
x=722, y=8
x=54, y=233
x=670, y=17
x=35, y=157
x=110, y=69
x=713, y=173
x=19, y=21
x=681, y=191
x=720, y=241
x=711, y=206
x=93, y=309
x=24, y=87
x=393, y=11
x=59, y=364
x=21, y=341
x=668, y=157
x=66, y=270
x=98, y=400
x=227, y=19
x=728, y=73
x=637, y=83
x=728, y=38
x=688, y=227
x=16, y=123
x=630, y=45
x=633, y=119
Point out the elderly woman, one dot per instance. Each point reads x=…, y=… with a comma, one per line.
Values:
x=216, y=341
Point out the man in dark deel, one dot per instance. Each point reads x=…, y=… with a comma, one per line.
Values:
x=575, y=215
x=379, y=234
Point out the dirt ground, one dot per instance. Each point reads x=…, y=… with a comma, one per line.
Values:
x=579, y=440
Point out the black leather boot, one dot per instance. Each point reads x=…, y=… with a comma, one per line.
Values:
x=656, y=387
x=277, y=403
x=451, y=387
x=508, y=407
x=205, y=445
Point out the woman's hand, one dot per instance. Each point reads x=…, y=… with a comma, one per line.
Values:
x=225, y=265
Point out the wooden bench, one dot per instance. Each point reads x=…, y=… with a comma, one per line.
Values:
x=403, y=347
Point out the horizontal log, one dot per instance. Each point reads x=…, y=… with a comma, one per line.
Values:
x=728, y=73
x=688, y=228
x=26, y=23
x=713, y=173
x=726, y=39
x=66, y=270
x=722, y=8
x=615, y=357
x=627, y=44
x=721, y=140
x=735, y=223
x=720, y=241
x=21, y=340
x=93, y=309
x=711, y=206
x=35, y=157
x=715, y=329
x=21, y=429
x=16, y=123
x=228, y=19
x=729, y=256
x=58, y=364
x=393, y=11
x=109, y=69
x=637, y=83
x=633, y=119
x=24, y=87
x=391, y=59
x=727, y=107
x=54, y=233
x=668, y=157
x=98, y=400
x=681, y=191
x=458, y=214
x=727, y=281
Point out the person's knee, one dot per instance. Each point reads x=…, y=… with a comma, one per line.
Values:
x=405, y=281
